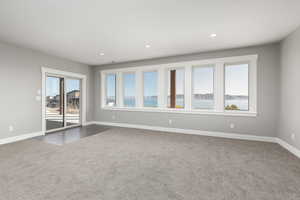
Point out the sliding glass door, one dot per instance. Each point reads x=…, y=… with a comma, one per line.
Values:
x=63, y=102
x=54, y=103
x=73, y=95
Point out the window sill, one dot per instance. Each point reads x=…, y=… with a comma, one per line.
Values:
x=182, y=111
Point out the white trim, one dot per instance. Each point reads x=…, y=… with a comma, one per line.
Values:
x=103, y=89
x=20, y=137
x=276, y=140
x=288, y=147
x=279, y=141
x=182, y=111
x=31, y=135
x=219, y=85
x=162, y=98
x=139, y=89
x=253, y=85
x=62, y=73
x=88, y=123
x=190, y=131
x=188, y=87
x=119, y=90
x=82, y=77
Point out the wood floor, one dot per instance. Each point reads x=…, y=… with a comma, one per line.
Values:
x=72, y=134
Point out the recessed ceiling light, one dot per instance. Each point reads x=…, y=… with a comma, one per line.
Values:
x=213, y=35
x=147, y=46
x=101, y=54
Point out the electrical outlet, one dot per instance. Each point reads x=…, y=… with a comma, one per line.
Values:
x=170, y=121
x=232, y=125
x=293, y=136
x=39, y=92
x=11, y=128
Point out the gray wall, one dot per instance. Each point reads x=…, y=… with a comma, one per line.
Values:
x=20, y=79
x=262, y=125
x=289, y=120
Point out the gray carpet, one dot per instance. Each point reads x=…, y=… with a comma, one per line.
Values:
x=129, y=164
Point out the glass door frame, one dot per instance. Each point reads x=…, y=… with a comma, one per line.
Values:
x=61, y=94
x=66, y=102
x=48, y=72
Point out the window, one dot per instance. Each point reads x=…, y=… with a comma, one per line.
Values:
x=150, y=89
x=111, y=90
x=236, y=87
x=176, y=88
x=203, y=88
x=221, y=86
x=129, y=89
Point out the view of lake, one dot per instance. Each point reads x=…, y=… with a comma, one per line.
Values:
x=241, y=102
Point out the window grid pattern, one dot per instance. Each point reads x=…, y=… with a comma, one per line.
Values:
x=203, y=89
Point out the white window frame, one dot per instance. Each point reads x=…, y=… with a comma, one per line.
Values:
x=213, y=66
x=143, y=84
x=123, y=88
x=45, y=70
x=162, y=69
x=105, y=89
x=249, y=82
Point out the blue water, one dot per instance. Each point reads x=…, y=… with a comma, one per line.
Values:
x=208, y=104
x=129, y=102
x=151, y=101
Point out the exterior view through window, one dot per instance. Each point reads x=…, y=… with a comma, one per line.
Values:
x=176, y=88
x=111, y=89
x=54, y=103
x=63, y=102
x=222, y=86
x=73, y=101
x=129, y=89
x=203, y=87
x=150, y=89
x=236, y=87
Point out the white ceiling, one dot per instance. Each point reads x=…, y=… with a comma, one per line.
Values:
x=80, y=29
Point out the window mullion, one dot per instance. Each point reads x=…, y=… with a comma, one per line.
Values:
x=120, y=89
x=219, y=82
x=253, y=86
x=103, y=89
x=162, y=88
x=113, y=86
x=139, y=89
x=188, y=88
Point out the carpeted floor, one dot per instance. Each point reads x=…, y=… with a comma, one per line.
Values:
x=130, y=164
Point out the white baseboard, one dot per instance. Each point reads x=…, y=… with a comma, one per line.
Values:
x=20, y=137
x=88, y=123
x=288, y=147
x=191, y=131
x=279, y=141
x=30, y=135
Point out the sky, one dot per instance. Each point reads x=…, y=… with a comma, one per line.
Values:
x=150, y=83
x=52, y=85
x=203, y=78
x=236, y=81
x=111, y=85
x=129, y=85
